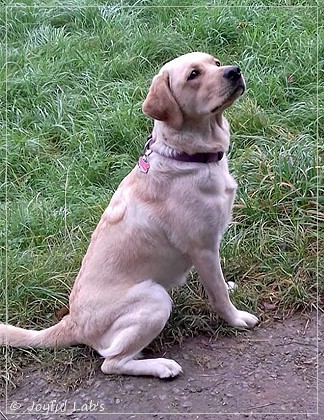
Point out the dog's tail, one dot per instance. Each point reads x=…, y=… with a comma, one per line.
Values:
x=60, y=335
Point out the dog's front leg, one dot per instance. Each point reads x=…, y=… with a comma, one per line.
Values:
x=207, y=263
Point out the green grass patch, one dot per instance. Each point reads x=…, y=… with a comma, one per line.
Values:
x=72, y=83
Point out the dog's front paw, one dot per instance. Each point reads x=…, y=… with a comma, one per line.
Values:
x=242, y=319
x=231, y=286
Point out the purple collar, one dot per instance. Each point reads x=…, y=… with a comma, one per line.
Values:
x=199, y=157
x=185, y=157
x=144, y=165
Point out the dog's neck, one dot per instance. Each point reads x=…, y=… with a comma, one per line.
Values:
x=166, y=151
x=210, y=135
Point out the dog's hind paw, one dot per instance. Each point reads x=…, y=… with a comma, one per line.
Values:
x=166, y=368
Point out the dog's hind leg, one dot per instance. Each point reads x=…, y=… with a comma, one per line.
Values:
x=148, y=309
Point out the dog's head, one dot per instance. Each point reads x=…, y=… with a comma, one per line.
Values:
x=191, y=87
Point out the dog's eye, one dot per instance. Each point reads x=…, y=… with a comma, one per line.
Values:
x=193, y=74
x=218, y=64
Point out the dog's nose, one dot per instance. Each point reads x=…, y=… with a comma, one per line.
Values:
x=233, y=73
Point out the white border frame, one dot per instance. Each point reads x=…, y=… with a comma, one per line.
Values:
x=6, y=204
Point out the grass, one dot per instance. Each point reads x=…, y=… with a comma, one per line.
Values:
x=73, y=80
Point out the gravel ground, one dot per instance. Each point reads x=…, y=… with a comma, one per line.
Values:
x=268, y=373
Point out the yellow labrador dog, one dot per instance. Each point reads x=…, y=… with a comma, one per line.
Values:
x=168, y=215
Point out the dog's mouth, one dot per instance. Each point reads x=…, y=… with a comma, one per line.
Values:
x=237, y=92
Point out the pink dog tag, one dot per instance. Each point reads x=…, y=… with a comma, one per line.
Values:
x=143, y=165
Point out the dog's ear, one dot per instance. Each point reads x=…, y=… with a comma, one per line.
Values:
x=160, y=103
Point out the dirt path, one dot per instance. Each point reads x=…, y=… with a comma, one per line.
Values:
x=269, y=370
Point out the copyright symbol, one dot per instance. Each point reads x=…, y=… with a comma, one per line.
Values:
x=15, y=406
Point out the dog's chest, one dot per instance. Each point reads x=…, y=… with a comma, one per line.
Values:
x=203, y=207
x=214, y=189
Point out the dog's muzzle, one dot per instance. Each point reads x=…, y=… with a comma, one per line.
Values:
x=233, y=73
